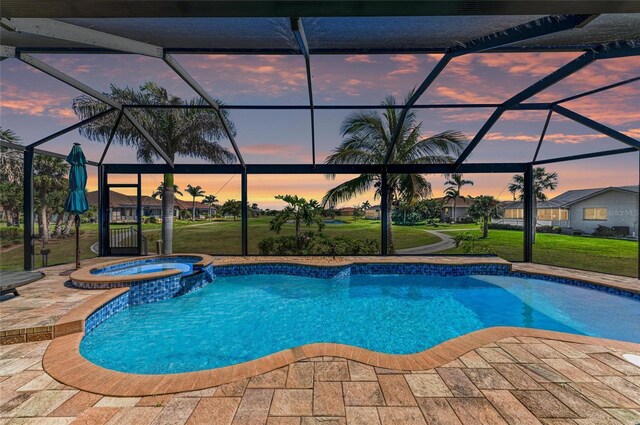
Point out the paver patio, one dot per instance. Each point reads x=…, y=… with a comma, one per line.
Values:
x=515, y=380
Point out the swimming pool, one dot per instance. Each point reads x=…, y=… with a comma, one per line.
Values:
x=185, y=268
x=247, y=314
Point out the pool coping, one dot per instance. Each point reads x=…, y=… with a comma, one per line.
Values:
x=86, y=277
x=63, y=361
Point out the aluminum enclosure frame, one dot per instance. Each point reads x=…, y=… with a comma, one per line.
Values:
x=497, y=42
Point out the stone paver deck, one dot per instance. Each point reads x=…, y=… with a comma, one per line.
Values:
x=515, y=380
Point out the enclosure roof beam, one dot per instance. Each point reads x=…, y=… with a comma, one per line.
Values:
x=594, y=125
x=7, y=52
x=544, y=132
x=111, y=136
x=312, y=50
x=22, y=148
x=71, y=128
x=187, y=78
x=77, y=34
x=311, y=169
x=304, y=8
x=536, y=28
x=298, y=33
x=524, y=106
x=64, y=31
x=619, y=49
x=147, y=137
x=585, y=156
x=47, y=69
x=598, y=90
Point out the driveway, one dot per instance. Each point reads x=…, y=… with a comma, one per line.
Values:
x=446, y=242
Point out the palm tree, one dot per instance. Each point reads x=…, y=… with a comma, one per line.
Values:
x=367, y=139
x=49, y=180
x=484, y=208
x=11, y=176
x=301, y=212
x=455, y=182
x=160, y=191
x=210, y=200
x=195, y=192
x=178, y=131
x=541, y=181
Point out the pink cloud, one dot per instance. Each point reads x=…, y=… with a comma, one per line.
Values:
x=359, y=59
x=293, y=152
x=35, y=103
x=410, y=64
x=558, y=138
x=465, y=96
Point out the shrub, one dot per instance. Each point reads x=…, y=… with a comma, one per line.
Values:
x=153, y=219
x=10, y=235
x=604, y=231
x=317, y=244
x=465, y=220
x=470, y=244
x=548, y=229
x=504, y=226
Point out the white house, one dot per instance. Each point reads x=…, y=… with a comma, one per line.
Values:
x=584, y=210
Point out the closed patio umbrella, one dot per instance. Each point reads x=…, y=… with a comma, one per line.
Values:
x=77, y=199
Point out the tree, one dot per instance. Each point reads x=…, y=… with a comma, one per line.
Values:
x=300, y=212
x=195, y=192
x=367, y=139
x=484, y=208
x=456, y=181
x=358, y=212
x=11, y=176
x=160, y=191
x=231, y=207
x=178, y=131
x=49, y=180
x=541, y=181
x=210, y=201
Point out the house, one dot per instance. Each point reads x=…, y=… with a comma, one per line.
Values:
x=373, y=213
x=123, y=207
x=584, y=210
x=201, y=209
x=347, y=211
x=462, y=204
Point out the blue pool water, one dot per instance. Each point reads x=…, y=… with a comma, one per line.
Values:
x=241, y=318
x=185, y=268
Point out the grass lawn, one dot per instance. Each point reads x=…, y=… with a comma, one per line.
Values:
x=223, y=237
x=215, y=237
x=578, y=252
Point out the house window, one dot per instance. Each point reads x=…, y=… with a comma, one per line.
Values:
x=551, y=214
x=599, y=214
x=513, y=213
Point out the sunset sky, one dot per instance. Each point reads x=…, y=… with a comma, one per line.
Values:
x=35, y=105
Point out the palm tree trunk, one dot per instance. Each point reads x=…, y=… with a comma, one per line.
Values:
x=298, y=235
x=44, y=221
x=390, y=245
x=168, y=199
x=193, y=209
x=485, y=228
x=67, y=226
x=58, y=228
x=535, y=221
x=455, y=205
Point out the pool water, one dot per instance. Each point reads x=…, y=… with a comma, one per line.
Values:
x=241, y=318
x=185, y=268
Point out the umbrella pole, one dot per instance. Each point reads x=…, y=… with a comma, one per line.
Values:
x=77, y=242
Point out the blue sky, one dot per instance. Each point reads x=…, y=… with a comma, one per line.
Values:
x=35, y=105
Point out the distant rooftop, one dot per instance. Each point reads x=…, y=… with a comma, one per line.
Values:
x=572, y=196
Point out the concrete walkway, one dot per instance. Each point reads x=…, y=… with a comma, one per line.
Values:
x=446, y=242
